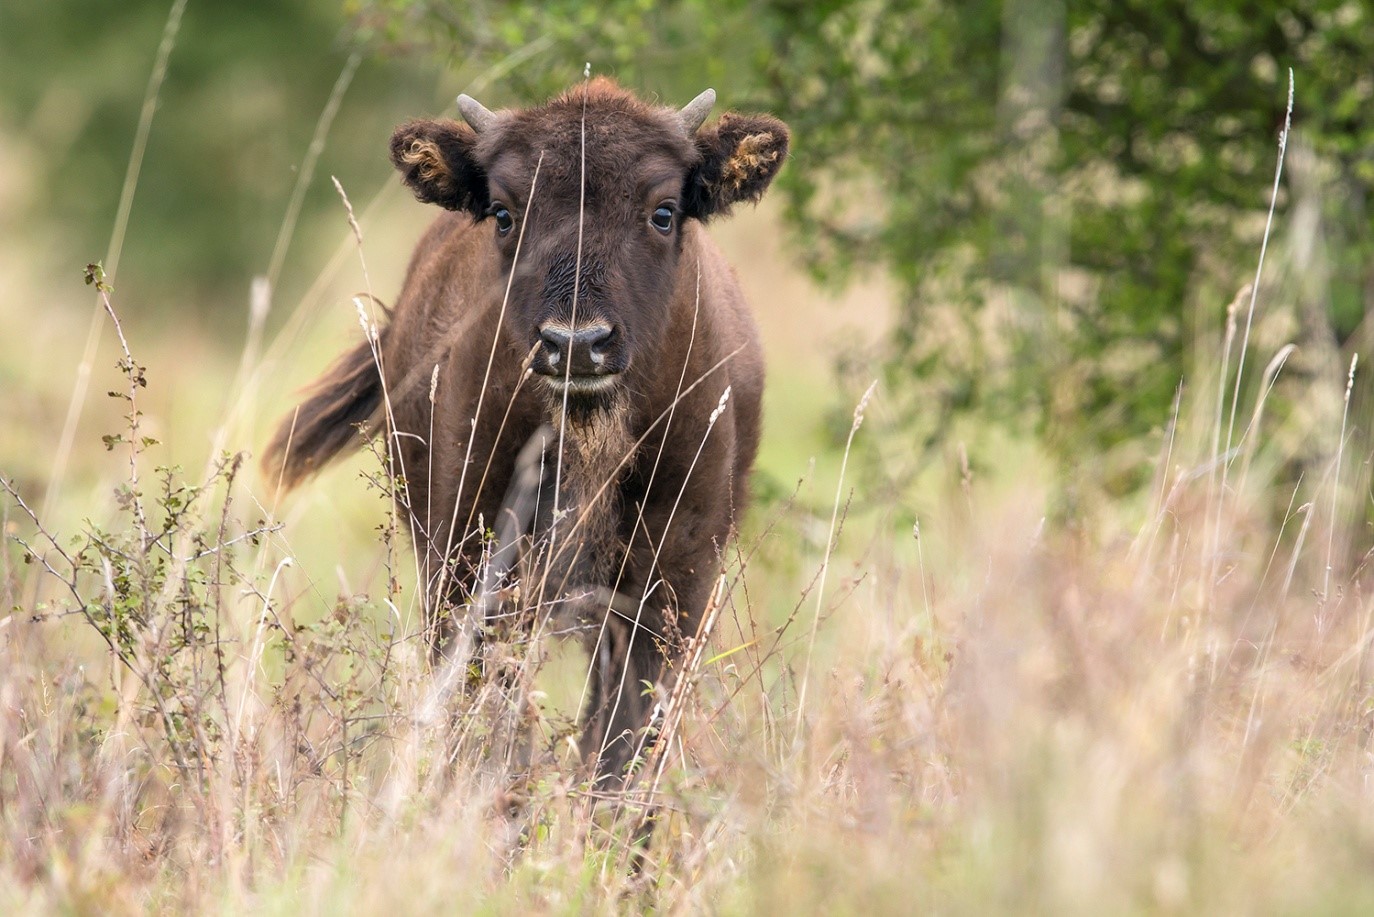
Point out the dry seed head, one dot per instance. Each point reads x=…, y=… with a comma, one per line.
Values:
x=433, y=383
x=348, y=206
x=720, y=407
x=369, y=329
x=863, y=404
x=1242, y=295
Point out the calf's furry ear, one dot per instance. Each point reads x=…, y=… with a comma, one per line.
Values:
x=740, y=154
x=436, y=161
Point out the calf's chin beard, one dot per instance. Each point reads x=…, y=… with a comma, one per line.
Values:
x=597, y=448
x=596, y=432
x=583, y=407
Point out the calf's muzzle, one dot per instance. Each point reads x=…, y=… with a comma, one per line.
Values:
x=577, y=353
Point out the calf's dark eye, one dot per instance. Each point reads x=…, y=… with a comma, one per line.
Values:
x=663, y=220
x=504, y=221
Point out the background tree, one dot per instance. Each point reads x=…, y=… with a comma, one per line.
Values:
x=1067, y=192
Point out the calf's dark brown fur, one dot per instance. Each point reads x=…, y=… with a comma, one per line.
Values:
x=570, y=285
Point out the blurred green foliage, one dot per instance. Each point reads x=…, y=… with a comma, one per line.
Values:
x=1065, y=192
x=245, y=85
x=1056, y=185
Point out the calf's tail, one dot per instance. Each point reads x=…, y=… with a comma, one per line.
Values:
x=335, y=419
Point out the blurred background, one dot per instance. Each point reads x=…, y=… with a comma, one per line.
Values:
x=1097, y=625
x=1026, y=219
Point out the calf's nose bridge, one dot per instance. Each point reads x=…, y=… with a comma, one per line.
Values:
x=562, y=282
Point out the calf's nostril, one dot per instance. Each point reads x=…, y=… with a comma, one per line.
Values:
x=556, y=341
x=597, y=340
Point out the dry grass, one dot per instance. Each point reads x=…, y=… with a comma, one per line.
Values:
x=1158, y=708
x=1003, y=714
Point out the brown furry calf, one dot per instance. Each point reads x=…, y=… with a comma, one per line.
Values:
x=571, y=288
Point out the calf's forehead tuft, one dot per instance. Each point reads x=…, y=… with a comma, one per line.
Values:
x=624, y=136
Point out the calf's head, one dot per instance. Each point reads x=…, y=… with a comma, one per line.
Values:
x=586, y=199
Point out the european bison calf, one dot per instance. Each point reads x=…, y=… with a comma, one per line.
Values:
x=569, y=288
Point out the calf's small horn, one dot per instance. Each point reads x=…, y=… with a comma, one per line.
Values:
x=693, y=114
x=478, y=117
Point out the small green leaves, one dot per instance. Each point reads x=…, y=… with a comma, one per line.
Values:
x=95, y=275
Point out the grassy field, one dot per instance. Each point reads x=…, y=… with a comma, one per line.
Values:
x=212, y=701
